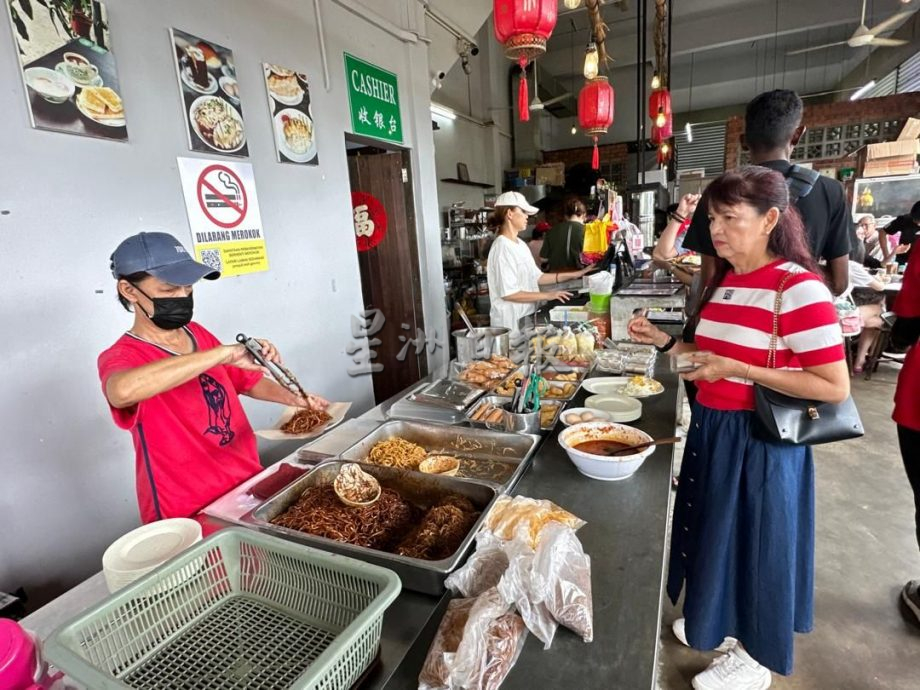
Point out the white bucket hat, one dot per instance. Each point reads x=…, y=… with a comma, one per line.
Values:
x=516, y=199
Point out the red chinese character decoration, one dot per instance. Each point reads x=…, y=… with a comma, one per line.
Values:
x=523, y=27
x=370, y=219
x=595, y=111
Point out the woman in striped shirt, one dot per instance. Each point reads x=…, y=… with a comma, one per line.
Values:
x=743, y=528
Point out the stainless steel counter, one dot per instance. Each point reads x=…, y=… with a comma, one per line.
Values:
x=625, y=537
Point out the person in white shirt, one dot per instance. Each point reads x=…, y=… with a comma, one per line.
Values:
x=514, y=277
x=868, y=295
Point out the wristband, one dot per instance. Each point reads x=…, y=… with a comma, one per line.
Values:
x=672, y=341
x=676, y=216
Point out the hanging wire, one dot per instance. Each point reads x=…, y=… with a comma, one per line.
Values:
x=775, y=40
x=690, y=100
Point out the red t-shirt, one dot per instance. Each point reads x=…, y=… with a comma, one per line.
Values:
x=192, y=443
x=738, y=323
x=906, y=399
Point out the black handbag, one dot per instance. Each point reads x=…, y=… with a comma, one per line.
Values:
x=780, y=417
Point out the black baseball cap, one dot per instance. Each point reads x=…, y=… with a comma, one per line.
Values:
x=162, y=256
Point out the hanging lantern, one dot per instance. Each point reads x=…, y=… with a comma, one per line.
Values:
x=523, y=27
x=595, y=111
x=664, y=153
x=659, y=101
x=662, y=134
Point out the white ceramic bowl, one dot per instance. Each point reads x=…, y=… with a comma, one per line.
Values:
x=577, y=412
x=599, y=466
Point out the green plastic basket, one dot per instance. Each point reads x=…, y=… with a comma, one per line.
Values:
x=238, y=610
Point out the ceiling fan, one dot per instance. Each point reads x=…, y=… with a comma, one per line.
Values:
x=864, y=36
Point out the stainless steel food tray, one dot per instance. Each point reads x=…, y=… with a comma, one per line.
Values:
x=453, y=395
x=421, y=489
x=481, y=448
x=555, y=384
x=498, y=400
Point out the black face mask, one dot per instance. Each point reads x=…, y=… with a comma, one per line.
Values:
x=170, y=313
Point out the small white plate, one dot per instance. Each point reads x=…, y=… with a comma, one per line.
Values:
x=605, y=385
x=234, y=113
x=187, y=79
x=599, y=415
x=148, y=546
x=280, y=139
x=226, y=82
x=618, y=407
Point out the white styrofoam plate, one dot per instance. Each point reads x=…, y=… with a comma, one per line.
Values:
x=619, y=407
x=605, y=385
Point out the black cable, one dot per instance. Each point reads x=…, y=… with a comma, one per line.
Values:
x=669, y=84
x=642, y=81
x=639, y=70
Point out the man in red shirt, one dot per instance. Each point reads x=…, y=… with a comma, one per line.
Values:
x=906, y=414
x=176, y=388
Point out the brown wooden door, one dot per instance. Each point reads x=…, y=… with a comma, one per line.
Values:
x=390, y=274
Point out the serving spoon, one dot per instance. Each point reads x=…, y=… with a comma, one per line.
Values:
x=645, y=444
x=348, y=477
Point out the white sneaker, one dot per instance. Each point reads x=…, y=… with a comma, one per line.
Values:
x=680, y=632
x=734, y=671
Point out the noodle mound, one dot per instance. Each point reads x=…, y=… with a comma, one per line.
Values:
x=397, y=452
x=391, y=524
x=378, y=526
x=305, y=420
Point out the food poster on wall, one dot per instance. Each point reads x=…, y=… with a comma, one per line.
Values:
x=68, y=68
x=292, y=116
x=210, y=95
x=223, y=215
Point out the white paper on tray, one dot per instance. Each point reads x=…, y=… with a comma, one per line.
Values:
x=336, y=410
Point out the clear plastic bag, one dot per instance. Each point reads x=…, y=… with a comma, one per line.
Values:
x=477, y=644
x=517, y=587
x=561, y=580
x=524, y=518
x=483, y=570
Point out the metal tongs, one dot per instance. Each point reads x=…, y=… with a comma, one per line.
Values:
x=281, y=373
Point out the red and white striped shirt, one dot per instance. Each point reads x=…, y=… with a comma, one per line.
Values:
x=738, y=322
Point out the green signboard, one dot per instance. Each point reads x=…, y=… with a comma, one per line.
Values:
x=373, y=97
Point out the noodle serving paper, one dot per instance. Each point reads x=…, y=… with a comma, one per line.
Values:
x=336, y=411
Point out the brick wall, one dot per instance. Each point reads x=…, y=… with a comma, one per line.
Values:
x=609, y=153
x=896, y=107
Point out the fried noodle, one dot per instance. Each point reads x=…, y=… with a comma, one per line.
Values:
x=305, y=420
x=397, y=452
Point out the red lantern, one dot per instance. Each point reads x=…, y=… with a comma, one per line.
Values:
x=595, y=111
x=664, y=153
x=523, y=27
x=661, y=134
x=659, y=101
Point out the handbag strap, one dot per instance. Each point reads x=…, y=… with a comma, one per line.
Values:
x=777, y=305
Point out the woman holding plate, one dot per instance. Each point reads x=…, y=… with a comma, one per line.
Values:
x=743, y=525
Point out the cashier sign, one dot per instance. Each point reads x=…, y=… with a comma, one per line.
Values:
x=223, y=215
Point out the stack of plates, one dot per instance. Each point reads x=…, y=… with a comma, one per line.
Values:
x=138, y=552
x=619, y=408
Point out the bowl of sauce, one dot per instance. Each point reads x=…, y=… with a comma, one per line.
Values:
x=595, y=448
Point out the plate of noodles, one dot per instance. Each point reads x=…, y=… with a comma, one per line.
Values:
x=303, y=423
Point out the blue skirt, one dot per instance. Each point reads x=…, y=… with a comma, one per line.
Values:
x=743, y=538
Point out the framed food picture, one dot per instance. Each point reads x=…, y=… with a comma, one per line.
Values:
x=885, y=196
x=210, y=95
x=292, y=117
x=67, y=66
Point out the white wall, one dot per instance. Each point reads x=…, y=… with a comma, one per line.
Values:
x=482, y=140
x=67, y=472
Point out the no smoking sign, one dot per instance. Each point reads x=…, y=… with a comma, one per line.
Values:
x=222, y=196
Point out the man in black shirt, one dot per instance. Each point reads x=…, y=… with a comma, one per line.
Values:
x=907, y=225
x=772, y=124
